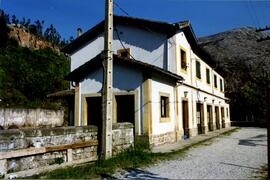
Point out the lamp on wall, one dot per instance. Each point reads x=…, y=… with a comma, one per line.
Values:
x=213, y=101
x=185, y=93
x=205, y=98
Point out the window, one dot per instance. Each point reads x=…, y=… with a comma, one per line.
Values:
x=183, y=57
x=221, y=85
x=215, y=81
x=164, y=106
x=198, y=69
x=124, y=53
x=208, y=76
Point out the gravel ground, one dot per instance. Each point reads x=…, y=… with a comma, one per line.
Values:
x=237, y=156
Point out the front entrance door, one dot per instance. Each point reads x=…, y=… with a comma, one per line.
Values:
x=217, y=117
x=94, y=116
x=185, y=119
x=222, y=117
x=209, y=118
x=200, y=118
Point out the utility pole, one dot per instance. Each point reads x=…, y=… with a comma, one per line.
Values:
x=107, y=106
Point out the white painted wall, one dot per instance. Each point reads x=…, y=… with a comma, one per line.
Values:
x=125, y=79
x=146, y=46
x=190, y=74
x=193, y=97
x=160, y=86
x=87, y=52
x=154, y=48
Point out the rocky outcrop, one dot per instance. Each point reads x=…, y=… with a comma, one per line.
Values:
x=238, y=45
x=246, y=62
x=26, y=39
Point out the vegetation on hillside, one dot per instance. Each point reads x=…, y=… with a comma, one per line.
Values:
x=37, y=28
x=26, y=75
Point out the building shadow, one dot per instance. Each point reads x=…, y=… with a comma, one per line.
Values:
x=253, y=141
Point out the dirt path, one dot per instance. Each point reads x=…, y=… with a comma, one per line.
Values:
x=236, y=156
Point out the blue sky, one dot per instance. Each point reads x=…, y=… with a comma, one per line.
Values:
x=207, y=17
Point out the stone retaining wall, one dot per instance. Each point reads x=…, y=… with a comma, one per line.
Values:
x=33, y=118
x=27, y=149
x=123, y=137
x=156, y=140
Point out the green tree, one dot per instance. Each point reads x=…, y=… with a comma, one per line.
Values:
x=52, y=35
x=3, y=29
x=27, y=76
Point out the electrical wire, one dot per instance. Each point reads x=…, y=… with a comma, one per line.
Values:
x=122, y=44
x=144, y=27
x=250, y=14
x=121, y=9
x=255, y=14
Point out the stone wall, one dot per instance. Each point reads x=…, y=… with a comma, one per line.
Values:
x=123, y=137
x=21, y=118
x=27, y=149
x=156, y=140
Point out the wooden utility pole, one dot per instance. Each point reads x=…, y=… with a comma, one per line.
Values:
x=107, y=106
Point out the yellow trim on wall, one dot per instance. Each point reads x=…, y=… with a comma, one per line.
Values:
x=147, y=105
x=183, y=70
x=168, y=118
x=77, y=105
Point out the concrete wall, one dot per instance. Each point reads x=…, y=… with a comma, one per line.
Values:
x=20, y=118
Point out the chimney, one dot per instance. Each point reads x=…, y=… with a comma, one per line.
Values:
x=79, y=32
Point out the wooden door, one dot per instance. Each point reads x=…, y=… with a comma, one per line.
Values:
x=217, y=118
x=185, y=119
x=222, y=117
x=209, y=118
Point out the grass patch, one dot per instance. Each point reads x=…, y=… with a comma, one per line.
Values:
x=228, y=133
x=131, y=158
x=139, y=156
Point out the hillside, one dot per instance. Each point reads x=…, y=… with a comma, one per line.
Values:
x=29, y=40
x=30, y=68
x=247, y=64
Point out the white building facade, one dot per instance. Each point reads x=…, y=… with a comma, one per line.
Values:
x=163, y=82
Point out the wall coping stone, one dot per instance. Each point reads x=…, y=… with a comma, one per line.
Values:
x=124, y=125
x=39, y=132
